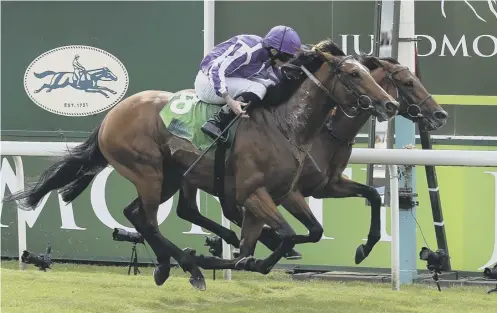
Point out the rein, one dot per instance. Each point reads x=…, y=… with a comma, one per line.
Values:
x=364, y=102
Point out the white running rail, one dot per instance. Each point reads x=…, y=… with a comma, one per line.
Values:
x=391, y=157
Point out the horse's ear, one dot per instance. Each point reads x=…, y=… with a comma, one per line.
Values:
x=326, y=56
x=369, y=61
x=362, y=57
x=376, y=61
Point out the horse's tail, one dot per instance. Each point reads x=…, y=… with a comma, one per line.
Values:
x=44, y=74
x=71, y=174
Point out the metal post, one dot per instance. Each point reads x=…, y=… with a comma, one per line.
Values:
x=431, y=178
x=405, y=137
x=372, y=120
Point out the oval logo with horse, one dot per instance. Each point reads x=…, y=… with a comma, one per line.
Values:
x=76, y=80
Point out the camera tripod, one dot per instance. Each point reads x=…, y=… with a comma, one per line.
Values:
x=134, y=260
x=492, y=290
x=435, y=271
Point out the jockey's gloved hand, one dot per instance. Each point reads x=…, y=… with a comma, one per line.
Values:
x=236, y=106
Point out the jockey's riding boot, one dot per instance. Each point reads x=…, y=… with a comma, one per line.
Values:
x=216, y=124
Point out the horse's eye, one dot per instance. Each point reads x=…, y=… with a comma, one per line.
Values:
x=409, y=84
x=354, y=74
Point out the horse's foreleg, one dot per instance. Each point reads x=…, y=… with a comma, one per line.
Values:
x=187, y=209
x=272, y=241
x=346, y=188
x=261, y=204
x=268, y=236
x=296, y=205
x=258, y=204
x=251, y=229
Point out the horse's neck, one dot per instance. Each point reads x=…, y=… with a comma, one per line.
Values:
x=301, y=118
x=345, y=128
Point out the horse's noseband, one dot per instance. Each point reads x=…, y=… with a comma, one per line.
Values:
x=413, y=109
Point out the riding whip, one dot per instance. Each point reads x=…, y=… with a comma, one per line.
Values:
x=215, y=141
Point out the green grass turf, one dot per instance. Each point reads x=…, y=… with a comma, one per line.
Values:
x=72, y=288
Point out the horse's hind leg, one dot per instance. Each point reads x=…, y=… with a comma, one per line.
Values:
x=148, y=181
x=187, y=209
x=150, y=201
x=42, y=87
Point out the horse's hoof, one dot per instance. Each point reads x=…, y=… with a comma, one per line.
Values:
x=236, y=253
x=361, y=253
x=246, y=264
x=293, y=255
x=198, y=283
x=266, y=270
x=190, y=251
x=161, y=274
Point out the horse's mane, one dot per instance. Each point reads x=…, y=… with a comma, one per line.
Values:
x=371, y=65
x=330, y=47
x=312, y=59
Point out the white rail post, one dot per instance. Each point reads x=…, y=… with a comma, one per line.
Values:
x=209, y=22
x=21, y=220
x=394, y=213
x=405, y=135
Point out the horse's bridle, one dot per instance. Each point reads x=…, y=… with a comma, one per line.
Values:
x=413, y=109
x=364, y=102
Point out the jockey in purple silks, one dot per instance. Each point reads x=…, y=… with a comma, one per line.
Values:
x=240, y=70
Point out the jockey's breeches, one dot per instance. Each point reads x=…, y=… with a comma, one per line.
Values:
x=204, y=88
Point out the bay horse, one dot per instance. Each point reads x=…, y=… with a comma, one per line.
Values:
x=331, y=151
x=265, y=161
